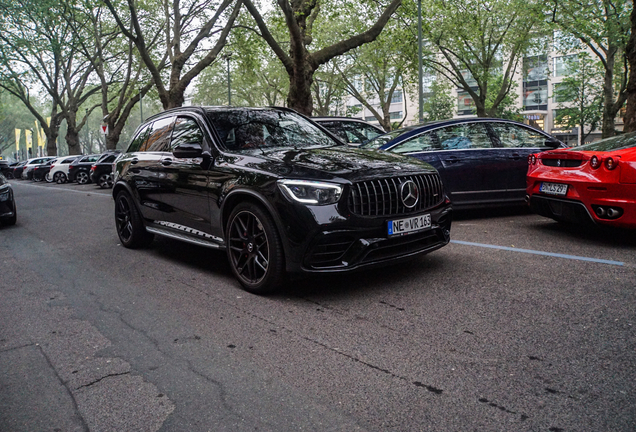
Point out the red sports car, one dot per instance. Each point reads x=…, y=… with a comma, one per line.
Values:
x=595, y=182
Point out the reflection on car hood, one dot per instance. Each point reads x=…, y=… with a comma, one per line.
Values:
x=340, y=161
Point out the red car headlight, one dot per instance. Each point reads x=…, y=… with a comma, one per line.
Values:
x=595, y=162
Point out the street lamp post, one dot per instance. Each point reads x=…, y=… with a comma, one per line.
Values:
x=229, y=85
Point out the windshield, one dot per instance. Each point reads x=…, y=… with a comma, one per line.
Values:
x=253, y=131
x=381, y=140
x=609, y=144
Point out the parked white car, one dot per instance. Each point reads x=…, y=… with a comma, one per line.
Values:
x=27, y=171
x=59, y=169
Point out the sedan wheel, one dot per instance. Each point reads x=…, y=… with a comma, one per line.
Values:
x=48, y=178
x=254, y=249
x=82, y=177
x=130, y=227
x=105, y=181
x=59, y=177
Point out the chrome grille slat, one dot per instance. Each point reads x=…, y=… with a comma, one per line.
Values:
x=382, y=197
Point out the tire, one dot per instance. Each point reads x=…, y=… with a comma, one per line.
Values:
x=105, y=181
x=130, y=227
x=48, y=178
x=59, y=177
x=254, y=249
x=82, y=177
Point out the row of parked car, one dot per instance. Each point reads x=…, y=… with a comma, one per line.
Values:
x=486, y=162
x=83, y=169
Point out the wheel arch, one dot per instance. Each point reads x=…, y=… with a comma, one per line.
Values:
x=247, y=195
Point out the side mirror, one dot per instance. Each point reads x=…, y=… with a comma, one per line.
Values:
x=552, y=143
x=188, y=151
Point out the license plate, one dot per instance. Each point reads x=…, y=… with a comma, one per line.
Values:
x=554, y=188
x=409, y=225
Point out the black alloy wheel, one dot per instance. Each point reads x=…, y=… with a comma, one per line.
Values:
x=130, y=228
x=105, y=181
x=59, y=177
x=37, y=179
x=82, y=177
x=254, y=249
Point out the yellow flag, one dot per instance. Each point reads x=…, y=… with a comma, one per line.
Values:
x=18, y=132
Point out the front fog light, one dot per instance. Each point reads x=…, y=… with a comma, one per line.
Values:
x=310, y=192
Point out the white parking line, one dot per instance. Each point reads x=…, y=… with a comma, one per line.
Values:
x=59, y=188
x=535, y=252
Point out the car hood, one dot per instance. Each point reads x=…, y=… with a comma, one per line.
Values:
x=338, y=162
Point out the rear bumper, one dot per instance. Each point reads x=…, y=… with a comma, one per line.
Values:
x=561, y=209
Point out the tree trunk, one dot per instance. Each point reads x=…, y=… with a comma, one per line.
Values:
x=630, y=114
x=608, y=129
x=72, y=135
x=300, y=82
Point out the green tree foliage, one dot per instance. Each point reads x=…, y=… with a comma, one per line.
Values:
x=374, y=73
x=580, y=97
x=184, y=37
x=256, y=77
x=439, y=104
x=604, y=27
x=300, y=18
x=480, y=44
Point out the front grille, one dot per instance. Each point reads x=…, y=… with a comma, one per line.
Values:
x=564, y=163
x=382, y=197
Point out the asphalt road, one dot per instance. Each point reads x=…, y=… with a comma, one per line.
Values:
x=520, y=324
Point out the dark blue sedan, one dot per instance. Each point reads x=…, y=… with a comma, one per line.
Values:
x=482, y=161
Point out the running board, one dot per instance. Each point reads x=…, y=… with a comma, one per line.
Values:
x=184, y=238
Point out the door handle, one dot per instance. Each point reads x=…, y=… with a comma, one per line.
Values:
x=135, y=171
x=166, y=162
x=453, y=159
x=515, y=156
x=134, y=161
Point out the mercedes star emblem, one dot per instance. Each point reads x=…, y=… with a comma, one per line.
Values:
x=409, y=193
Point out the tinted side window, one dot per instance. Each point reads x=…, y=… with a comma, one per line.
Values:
x=186, y=131
x=108, y=159
x=139, y=139
x=420, y=143
x=68, y=161
x=510, y=135
x=464, y=136
x=159, y=138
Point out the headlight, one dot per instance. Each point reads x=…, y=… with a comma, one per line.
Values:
x=310, y=192
x=5, y=194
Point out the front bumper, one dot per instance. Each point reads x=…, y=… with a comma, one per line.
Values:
x=358, y=243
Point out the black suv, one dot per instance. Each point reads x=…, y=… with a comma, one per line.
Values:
x=102, y=170
x=80, y=169
x=277, y=193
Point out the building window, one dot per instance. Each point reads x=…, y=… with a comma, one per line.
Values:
x=397, y=96
x=396, y=115
x=535, y=68
x=371, y=119
x=465, y=103
x=564, y=65
x=535, y=97
x=556, y=96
